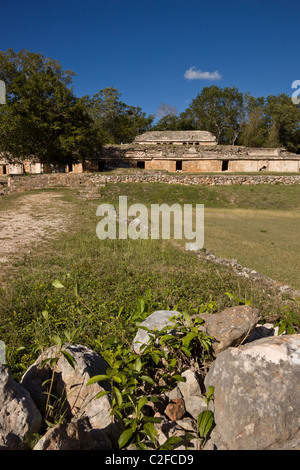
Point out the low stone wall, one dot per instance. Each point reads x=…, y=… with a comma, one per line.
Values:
x=20, y=183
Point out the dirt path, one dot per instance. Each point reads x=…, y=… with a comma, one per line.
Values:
x=31, y=218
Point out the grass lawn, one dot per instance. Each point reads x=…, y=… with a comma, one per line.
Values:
x=110, y=283
x=257, y=225
x=263, y=240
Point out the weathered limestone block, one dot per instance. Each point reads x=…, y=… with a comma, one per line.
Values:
x=19, y=416
x=257, y=394
x=231, y=326
x=157, y=320
x=70, y=384
x=167, y=429
x=192, y=394
x=74, y=435
x=194, y=405
x=191, y=385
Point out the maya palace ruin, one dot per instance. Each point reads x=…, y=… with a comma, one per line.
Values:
x=173, y=151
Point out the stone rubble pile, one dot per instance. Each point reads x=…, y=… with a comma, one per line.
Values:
x=255, y=375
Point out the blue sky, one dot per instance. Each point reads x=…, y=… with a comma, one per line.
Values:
x=162, y=51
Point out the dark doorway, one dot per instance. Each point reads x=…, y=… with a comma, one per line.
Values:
x=70, y=167
x=178, y=165
x=100, y=166
x=224, y=165
x=140, y=164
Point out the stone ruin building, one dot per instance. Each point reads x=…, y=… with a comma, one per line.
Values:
x=173, y=151
x=197, y=151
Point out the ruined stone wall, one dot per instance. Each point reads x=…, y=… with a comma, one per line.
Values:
x=79, y=181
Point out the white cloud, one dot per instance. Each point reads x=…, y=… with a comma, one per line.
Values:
x=196, y=74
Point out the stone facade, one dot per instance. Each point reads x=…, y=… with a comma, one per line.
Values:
x=173, y=151
x=218, y=158
x=176, y=138
x=8, y=167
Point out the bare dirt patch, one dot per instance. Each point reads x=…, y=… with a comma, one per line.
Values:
x=31, y=219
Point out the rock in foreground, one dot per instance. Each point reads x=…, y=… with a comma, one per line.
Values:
x=257, y=394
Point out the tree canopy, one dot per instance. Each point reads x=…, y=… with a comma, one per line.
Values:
x=43, y=118
x=239, y=118
x=116, y=121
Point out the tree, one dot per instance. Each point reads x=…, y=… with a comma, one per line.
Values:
x=168, y=118
x=254, y=129
x=166, y=110
x=282, y=117
x=271, y=122
x=115, y=121
x=217, y=110
x=42, y=117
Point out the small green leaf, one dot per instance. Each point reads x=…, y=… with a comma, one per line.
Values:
x=57, y=284
x=171, y=442
x=57, y=339
x=210, y=392
x=125, y=437
x=133, y=424
x=45, y=382
x=155, y=357
x=150, y=431
x=120, y=311
x=186, y=351
x=69, y=358
x=97, y=378
x=165, y=338
x=141, y=403
x=178, y=378
x=101, y=394
x=205, y=423
x=48, y=359
x=188, y=338
x=53, y=361
x=148, y=379
x=281, y=328
x=118, y=395
x=49, y=424
x=173, y=362
x=151, y=419
x=45, y=315
x=198, y=320
x=229, y=295
x=138, y=365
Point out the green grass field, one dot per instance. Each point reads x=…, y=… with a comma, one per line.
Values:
x=108, y=281
x=257, y=225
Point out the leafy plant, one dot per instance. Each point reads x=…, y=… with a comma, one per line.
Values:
x=289, y=321
x=136, y=379
x=237, y=300
x=205, y=421
x=206, y=418
x=184, y=343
